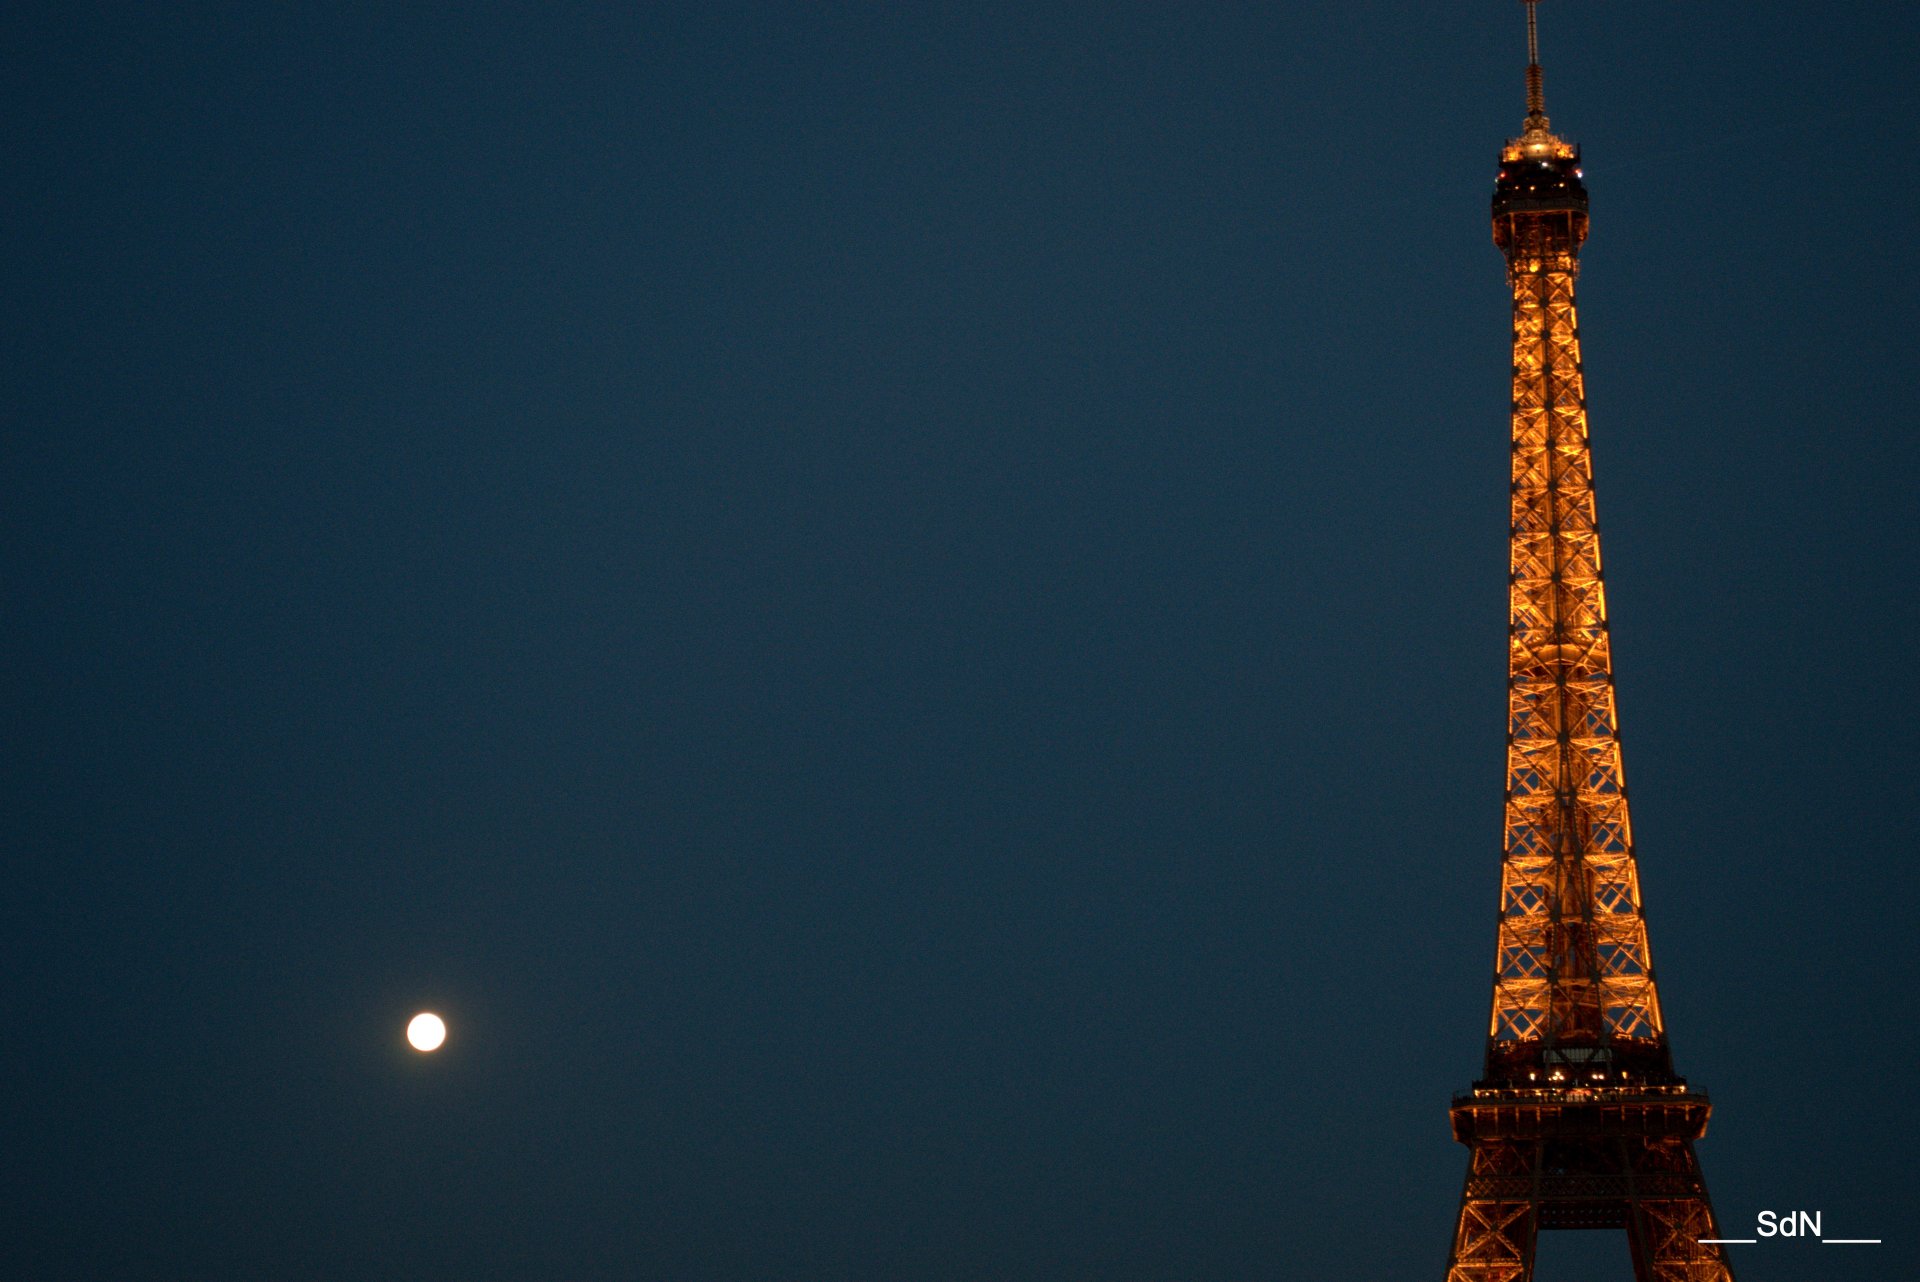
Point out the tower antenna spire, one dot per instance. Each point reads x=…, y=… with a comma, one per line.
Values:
x=1536, y=91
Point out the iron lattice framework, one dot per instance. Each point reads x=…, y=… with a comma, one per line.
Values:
x=1579, y=1120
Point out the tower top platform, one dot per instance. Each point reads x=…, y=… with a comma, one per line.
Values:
x=1539, y=170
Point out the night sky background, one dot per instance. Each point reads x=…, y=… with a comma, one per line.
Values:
x=898, y=612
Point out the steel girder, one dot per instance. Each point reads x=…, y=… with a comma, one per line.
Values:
x=1572, y=965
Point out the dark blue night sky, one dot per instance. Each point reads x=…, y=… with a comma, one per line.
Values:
x=898, y=611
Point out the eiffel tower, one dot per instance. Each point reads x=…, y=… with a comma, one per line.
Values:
x=1579, y=1120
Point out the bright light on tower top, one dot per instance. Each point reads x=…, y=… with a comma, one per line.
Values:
x=426, y=1031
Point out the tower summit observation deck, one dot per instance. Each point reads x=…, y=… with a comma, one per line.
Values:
x=1579, y=1119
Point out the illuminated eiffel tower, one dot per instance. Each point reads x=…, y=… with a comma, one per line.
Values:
x=1579, y=1120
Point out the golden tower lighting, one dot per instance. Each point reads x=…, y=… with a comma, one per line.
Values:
x=1579, y=1120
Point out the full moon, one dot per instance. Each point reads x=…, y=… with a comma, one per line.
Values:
x=426, y=1031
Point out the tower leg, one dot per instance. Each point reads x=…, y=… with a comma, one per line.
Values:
x=1499, y=1223
x=1671, y=1213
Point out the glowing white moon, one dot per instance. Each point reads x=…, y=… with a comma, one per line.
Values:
x=426, y=1031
